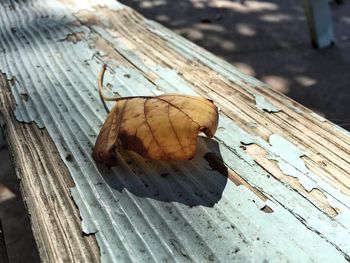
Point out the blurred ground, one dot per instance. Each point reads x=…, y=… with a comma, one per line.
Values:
x=18, y=235
x=267, y=39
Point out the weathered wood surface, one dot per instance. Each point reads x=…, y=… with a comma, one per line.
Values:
x=288, y=197
x=45, y=183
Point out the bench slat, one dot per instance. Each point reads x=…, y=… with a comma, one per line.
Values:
x=275, y=182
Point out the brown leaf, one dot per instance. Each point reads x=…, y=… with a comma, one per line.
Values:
x=162, y=127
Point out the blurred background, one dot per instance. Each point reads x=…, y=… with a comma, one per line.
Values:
x=269, y=40
x=266, y=39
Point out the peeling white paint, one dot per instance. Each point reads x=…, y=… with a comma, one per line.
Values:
x=264, y=105
x=289, y=161
x=343, y=216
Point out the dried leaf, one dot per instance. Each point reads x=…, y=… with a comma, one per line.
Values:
x=162, y=127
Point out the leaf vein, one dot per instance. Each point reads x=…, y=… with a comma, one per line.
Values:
x=176, y=107
x=172, y=127
x=149, y=126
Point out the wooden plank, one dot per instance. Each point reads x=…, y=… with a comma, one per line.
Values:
x=44, y=184
x=287, y=197
x=320, y=22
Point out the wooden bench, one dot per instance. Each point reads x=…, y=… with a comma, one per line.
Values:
x=273, y=185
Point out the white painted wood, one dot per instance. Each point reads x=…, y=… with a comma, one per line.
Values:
x=274, y=184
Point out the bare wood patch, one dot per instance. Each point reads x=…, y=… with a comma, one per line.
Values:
x=315, y=196
x=74, y=37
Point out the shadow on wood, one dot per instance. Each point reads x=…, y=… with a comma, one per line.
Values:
x=193, y=183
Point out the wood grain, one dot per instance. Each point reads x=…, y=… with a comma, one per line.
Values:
x=138, y=210
x=328, y=148
x=45, y=183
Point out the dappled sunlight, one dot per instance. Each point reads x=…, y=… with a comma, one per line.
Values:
x=346, y=19
x=210, y=27
x=152, y=4
x=163, y=18
x=305, y=81
x=199, y=3
x=223, y=44
x=244, y=6
x=345, y=38
x=245, y=68
x=227, y=45
x=275, y=18
x=245, y=30
x=6, y=194
x=192, y=33
x=277, y=83
x=198, y=35
x=269, y=40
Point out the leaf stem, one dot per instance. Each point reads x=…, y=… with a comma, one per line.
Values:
x=100, y=85
x=100, y=90
x=105, y=98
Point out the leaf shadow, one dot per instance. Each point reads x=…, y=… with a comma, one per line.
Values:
x=198, y=182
